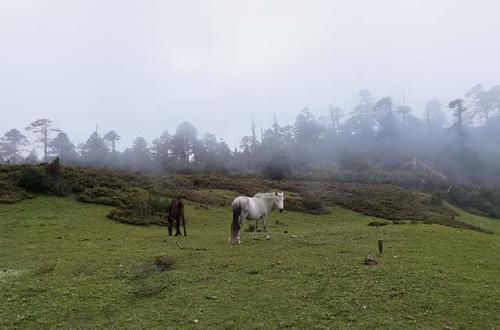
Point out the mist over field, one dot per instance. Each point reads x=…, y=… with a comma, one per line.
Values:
x=142, y=67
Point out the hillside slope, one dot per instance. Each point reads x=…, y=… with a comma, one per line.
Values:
x=138, y=197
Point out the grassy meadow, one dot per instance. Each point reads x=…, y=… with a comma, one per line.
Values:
x=64, y=264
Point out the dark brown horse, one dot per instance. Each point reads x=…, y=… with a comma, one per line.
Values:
x=176, y=213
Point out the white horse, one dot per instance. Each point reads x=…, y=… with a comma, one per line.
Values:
x=254, y=208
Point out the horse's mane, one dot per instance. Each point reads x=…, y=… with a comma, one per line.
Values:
x=270, y=194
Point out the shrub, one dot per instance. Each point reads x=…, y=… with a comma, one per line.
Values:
x=11, y=193
x=102, y=195
x=139, y=207
x=54, y=171
x=378, y=223
x=35, y=179
x=313, y=205
x=126, y=215
x=160, y=204
x=436, y=199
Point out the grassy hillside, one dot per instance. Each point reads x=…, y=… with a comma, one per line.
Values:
x=64, y=264
x=140, y=199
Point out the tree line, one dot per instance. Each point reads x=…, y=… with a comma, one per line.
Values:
x=374, y=134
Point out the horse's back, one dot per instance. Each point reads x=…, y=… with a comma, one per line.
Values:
x=176, y=208
x=250, y=206
x=240, y=199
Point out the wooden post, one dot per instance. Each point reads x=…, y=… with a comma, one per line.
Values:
x=381, y=246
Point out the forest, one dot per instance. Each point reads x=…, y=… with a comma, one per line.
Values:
x=456, y=141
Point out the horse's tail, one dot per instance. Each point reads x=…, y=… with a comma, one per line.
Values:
x=235, y=225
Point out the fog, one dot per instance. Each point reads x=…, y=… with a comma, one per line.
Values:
x=139, y=67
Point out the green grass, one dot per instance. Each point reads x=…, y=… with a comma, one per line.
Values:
x=63, y=264
x=482, y=222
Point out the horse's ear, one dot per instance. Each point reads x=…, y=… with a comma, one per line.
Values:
x=276, y=193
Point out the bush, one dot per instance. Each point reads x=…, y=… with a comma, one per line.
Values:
x=102, y=195
x=127, y=215
x=139, y=207
x=379, y=223
x=55, y=173
x=436, y=199
x=310, y=203
x=11, y=193
x=160, y=204
x=35, y=179
x=313, y=205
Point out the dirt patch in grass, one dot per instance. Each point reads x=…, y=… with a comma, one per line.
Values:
x=84, y=270
x=145, y=269
x=147, y=290
x=5, y=273
x=46, y=267
x=146, y=279
x=163, y=262
x=137, y=271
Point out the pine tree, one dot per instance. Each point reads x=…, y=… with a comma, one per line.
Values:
x=42, y=128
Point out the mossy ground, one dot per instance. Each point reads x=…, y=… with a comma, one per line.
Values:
x=66, y=265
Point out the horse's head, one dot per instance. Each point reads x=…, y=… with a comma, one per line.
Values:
x=280, y=201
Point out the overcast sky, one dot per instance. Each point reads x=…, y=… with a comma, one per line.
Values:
x=140, y=67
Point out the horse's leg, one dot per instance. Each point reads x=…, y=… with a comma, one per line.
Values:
x=255, y=229
x=178, y=226
x=265, y=228
x=243, y=217
x=170, y=225
x=184, y=226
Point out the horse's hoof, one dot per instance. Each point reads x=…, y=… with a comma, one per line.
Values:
x=268, y=237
